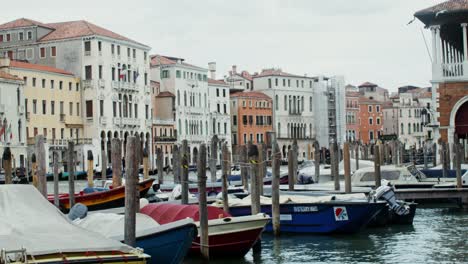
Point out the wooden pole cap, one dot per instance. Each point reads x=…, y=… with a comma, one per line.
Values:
x=253, y=150
x=33, y=158
x=90, y=155
x=145, y=153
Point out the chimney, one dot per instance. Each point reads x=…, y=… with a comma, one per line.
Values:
x=5, y=64
x=234, y=69
x=212, y=69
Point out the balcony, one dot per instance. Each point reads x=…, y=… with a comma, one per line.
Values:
x=58, y=143
x=147, y=89
x=102, y=120
x=101, y=84
x=164, y=122
x=124, y=86
x=165, y=138
x=130, y=121
x=87, y=53
x=2, y=109
x=87, y=84
x=117, y=121
x=21, y=109
x=294, y=112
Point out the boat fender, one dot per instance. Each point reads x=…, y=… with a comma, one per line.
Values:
x=143, y=202
x=227, y=219
x=78, y=211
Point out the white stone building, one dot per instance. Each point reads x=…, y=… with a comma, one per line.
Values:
x=12, y=119
x=305, y=108
x=189, y=84
x=114, y=71
x=410, y=122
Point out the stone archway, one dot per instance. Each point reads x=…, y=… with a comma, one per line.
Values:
x=195, y=155
x=459, y=120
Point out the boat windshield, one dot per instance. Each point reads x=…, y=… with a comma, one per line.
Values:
x=386, y=175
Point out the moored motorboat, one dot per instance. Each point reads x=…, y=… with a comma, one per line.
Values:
x=104, y=199
x=320, y=215
x=34, y=231
x=168, y=243
x=228, y=236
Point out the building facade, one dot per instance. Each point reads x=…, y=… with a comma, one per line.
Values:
x=114, y=71
x=390, y=119
x=352, y=115
x=164, y=131
x=12, y=119
x=370, y=120
x=52, y=100
x=448, y=110
x=189, y=84
x=220, y=112
x=251, y=117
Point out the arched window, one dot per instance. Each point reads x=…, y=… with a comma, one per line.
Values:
x=414, y=128
x=310, y=104
x=276, y=102
x=19, y=131
x=279, y=130
x=180, y=127
x=285, y=103
x=409, y=128
x=185, y=98
x=402, y=128
x=178, y=98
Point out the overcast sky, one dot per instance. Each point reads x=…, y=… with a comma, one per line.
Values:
x=364, y=40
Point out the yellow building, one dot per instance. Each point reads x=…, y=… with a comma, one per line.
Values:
x=52, y=105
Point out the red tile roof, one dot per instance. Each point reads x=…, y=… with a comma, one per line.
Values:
x=4, y=75
x=443, y=12
x=165, y=94
x=450, y=6
x=154, y=83
x=251, y=94
x=366, y=84
x=37, y=67
x=22, y=22
x=219, y=82
x=246, y=75
x=66, y=30
x=157, y=60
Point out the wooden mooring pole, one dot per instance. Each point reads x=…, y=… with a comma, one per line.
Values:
x=275, y=182
x=104, y=164
x=131, y=182
x=159, y=165
x=356, y=152
x=434, y=154
x=244, y=167
x=71, y=172
x=185, y=172
x=458, y=149
x=262, y=159
x=347, y=167
x=213, y=157
x=377, y=175
x=334, y=165
x=201, y=171
x=56, y=179
x=41, y=166
x=254, y=190
x=34, y=171
x=116, y=162
x=176, y=164
x=317, y=160
x=226, y=169
x=7, y=160
x=90, y=169
x=145, y=164
x=444, y=159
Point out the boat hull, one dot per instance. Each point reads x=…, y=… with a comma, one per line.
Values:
x=389, y=217
x=319, y=218
x=101, y=200
x=169, y=246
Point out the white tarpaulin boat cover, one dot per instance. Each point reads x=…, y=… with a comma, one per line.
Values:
x=30, y=221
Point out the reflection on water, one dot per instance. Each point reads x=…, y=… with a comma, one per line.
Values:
x=437, y=236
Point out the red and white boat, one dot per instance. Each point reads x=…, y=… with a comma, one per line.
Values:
x=228, y=236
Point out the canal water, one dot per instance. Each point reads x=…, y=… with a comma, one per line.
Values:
x=438, y=235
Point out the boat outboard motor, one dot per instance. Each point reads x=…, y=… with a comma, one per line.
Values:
x=386, y=192
x=78, y=211
x=176, y=193
x=305, y=179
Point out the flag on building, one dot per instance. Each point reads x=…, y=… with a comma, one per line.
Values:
x=2, y=130
x=135, y=76
x=9, y=132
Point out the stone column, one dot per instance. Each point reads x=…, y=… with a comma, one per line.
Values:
x=465, y=50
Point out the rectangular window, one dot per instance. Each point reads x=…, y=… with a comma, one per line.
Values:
x=87, y=48
x=77, y=87
x=43, y=53
x=114, y=109
x=53, y=133
x=100, y=72
x=370, y=121
x=51, y=84
x=21, y=36
x=134, y=53
x=136, y=110
x=225, y=109
x=147, y=111
x=269, y=83
x=70, y=108
x=8, y=37
x=61, y=108
x=61, y=85
x=101, y=107
x=378, y=121
x=112, y=49
x=43, y=83
x=144, y=55
x=113, y=73
x=178, y=74
x=34, y=82
x=53, y=51
x=276, y=82
x=165, y=74
x=250, y=120
x=284, y=82
x=88, y=72
x=29, y=35
x=289, y=83
x=99, y=45
x=146, y=78
x=224, y=92
x=245, y=138
x=118, y=52
x=244, y=120
x=377, y=108
x=234, y=120
x=370, y=108
x=34, y=106
x=78, y=109
x=217, y=92
x=52, y=107
x=128, y=52
x=89, y=108
x=44, y=107
x=44, y=132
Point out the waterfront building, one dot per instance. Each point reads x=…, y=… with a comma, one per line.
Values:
x=251, y=117
x=239, y=82
x=304, y=108
x=189, y=84
x=352, y=115
x=52, y=101
x=12, y=118
x=370, y=120
x=448, y=110
x=373, y=91
x=390, y=119
x=114, y=73
x=220, y=112
x=164, y=131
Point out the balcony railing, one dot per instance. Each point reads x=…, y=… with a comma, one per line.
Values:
x=148, y=122
x=167, y=122
x=130, y=121
x=62, y=142
x=165, y=139
x=102, y=83
x=117, y=121
x=27, y=116
x=295, y=112
x=147, y=89
x=124, y=86
x=87, y=84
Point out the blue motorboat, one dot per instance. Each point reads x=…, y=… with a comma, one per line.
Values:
x=320, y=217
x=168, y=243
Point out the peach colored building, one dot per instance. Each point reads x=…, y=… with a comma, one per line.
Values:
x=352, y=115
x=370, y=120
x=251, y=117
